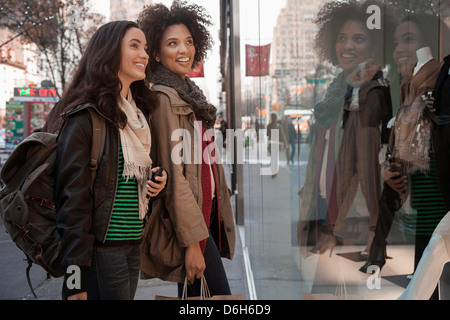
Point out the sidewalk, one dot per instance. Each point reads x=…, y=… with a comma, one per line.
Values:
x=147, y=289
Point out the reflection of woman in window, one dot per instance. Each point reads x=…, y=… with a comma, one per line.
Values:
x=344, y=40
x=416, y=47
x=367, y=108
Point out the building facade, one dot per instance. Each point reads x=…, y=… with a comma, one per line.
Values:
x=18, y=67
x=127, y=9
x=293, y=54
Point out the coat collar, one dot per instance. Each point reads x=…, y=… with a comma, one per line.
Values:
x=179, y=106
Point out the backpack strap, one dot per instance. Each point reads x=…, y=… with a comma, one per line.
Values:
x=30, y=264
x=98, y=143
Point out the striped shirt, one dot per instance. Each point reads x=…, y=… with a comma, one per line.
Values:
x=125, y=224
x=427, y=203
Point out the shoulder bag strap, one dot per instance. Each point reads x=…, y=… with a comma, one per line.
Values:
x=98, y=143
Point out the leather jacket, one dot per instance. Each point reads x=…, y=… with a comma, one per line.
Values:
x=441, y=134
x=83, y=217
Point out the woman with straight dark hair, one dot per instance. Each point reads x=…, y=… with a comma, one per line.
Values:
x=101, y=230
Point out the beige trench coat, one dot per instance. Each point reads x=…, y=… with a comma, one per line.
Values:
x=177, y=219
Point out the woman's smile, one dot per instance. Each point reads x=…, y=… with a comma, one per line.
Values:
x=177, y=50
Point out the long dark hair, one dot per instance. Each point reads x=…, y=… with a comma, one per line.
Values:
x=96, y=78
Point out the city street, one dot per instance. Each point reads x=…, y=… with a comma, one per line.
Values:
x=14, y=285
x=281, y=272
x=13, y=280
x=271, y=215
x=276, y=268
x=336, y=69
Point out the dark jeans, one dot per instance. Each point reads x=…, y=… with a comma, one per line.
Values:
x=114, y=274
x=215, y=275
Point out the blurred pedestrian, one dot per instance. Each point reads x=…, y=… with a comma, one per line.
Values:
x=292, y=139
x=273, y=125
x=222, y=126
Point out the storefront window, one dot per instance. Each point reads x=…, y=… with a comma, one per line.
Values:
x=331, y=77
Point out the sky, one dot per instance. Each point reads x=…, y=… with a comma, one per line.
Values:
x=265, y=18
x=250, y=19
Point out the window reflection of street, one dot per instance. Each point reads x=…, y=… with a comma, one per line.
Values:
x=297, y=80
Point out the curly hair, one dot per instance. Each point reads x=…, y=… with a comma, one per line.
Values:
x=332, y=17
x=155, y=19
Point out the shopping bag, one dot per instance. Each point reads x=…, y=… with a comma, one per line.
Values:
x=204, y=294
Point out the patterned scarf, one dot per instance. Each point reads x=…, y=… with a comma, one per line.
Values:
x=136, y=142
x=411, y=136
x=328, y=109
x=188, y=92
x=327, y=114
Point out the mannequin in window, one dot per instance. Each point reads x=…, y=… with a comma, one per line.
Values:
x=430, y=267
x=423, y=56
x=413, y=171
x=437, y=254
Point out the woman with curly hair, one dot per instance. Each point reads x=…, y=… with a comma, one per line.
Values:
x=192, y=225
x=344, y=153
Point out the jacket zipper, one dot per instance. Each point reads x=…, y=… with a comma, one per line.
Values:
x=115, y=193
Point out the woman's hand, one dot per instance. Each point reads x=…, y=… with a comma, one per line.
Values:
x=364, y=73
x=194, y=261
x=78, y=296
x=394, y=178
x=154, y=188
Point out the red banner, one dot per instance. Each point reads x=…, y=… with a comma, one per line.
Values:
x=257, y=60
x=197, y=72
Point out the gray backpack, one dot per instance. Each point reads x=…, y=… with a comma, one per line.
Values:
x=27, y=205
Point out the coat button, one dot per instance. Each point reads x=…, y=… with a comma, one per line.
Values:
x=228, y=229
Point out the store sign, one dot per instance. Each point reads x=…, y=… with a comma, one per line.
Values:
x=14, y=124
x=198, y=71
x=35, y=92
